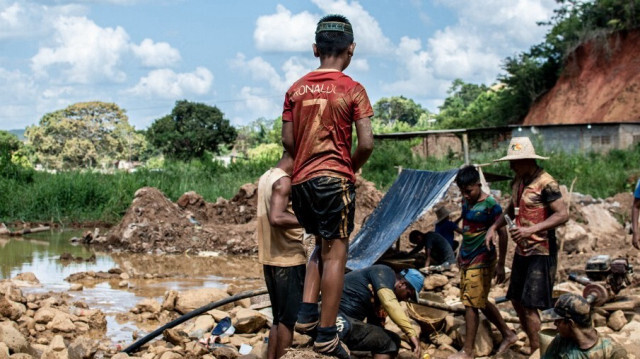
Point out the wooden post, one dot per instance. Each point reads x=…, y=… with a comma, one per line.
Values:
x=465, y=148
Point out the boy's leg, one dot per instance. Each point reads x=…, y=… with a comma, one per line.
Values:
x=312, y=277
x=308, y=316
x=272, y=345
x=284, y=339
x=334, y=259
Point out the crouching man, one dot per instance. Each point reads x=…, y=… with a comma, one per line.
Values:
x=372, y=293
x=577, y=338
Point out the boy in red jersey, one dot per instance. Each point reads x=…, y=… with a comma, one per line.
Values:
x=319, y=111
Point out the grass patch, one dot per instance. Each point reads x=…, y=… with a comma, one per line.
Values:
x=77, y=196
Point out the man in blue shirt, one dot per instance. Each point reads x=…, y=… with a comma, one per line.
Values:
x=445, y=227
x=635, y=210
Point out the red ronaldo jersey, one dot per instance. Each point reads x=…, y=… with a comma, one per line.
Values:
x=322, y=106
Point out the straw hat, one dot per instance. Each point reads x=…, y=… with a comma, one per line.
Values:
x=520, y=148
x=441, y=214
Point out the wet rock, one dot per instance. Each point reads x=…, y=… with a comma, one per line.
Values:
x=123, y=284
x=218, y=315
x=147, y=305
x=170, y=298
x=76, y=287
x=12, y=292
x=11, y=336
x=225, y=353
x=204, y=323
x=82, y=348
x=194, y=348
x=120, y=356
x=617, y=320
x=27, y=277
x=61, y=323
x=8, y=309
x=249, y=321
x=435, y=281
x=196, y=298
x=175, y=336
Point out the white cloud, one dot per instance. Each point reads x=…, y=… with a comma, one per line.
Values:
x=260, y=70
x=83, y=51
x=367, y=32
x=288, y=32
x=472, y=49
x=159, y=54
x=165, y=83
x=459, y=54
x=19, y=20
x=359, y=65
x=256, y=103
x=284, y=31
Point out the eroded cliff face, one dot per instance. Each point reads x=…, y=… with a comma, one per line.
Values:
x=600, y=83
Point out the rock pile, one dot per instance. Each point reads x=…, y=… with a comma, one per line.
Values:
x=47, y=326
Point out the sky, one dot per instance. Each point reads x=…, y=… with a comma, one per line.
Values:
x=242, y=55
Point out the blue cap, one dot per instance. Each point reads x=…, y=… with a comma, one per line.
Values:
x=415, y=278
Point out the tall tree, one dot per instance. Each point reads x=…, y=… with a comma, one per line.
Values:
x=398, y=108
x=190, y=130
x=84, y=134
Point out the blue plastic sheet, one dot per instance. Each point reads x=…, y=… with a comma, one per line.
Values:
x=412, y=194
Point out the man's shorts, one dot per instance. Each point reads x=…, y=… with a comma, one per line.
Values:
x=325, y=206
x=360, y=336
x=475, y=285
x=285, y=285
x=532, y=280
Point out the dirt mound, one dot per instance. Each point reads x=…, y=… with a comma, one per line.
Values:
x=239, y=210
x=600, y=83
x=155, y=224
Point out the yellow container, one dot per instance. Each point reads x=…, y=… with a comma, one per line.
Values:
x=430, y=319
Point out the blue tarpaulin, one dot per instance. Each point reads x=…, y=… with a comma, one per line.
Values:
x=412, y=194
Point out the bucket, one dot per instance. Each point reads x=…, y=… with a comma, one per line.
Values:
x=430, y=319
x=546, y=336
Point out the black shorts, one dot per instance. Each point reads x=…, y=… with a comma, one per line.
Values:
x=325, y=206
x=285, y=285
x=360, y=336
x=532, y=279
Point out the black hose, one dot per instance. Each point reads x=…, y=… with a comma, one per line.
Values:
x=251, y=293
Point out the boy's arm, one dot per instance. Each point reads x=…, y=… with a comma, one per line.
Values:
x=365, y=143
x=288, y=140
x=499, y=223
x=278, y=214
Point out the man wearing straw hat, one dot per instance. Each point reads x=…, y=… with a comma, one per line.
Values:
x=537, y=209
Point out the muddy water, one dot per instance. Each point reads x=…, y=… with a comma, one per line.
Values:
x=39, y=253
